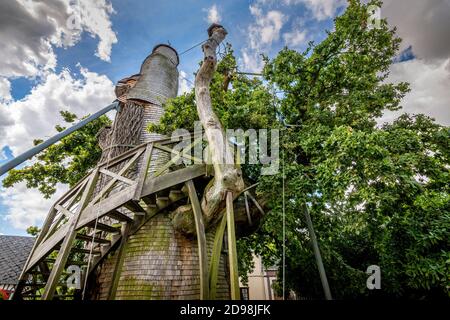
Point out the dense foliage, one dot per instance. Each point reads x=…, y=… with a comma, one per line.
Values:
x=377, y=194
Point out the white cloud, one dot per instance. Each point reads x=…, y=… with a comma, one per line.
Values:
x=262, y=33
x=422, y=24
x=30, y=29
x=321, y=9
x=35, y=117
x=294, y=38
x=213, y=14
x=3, y=155
x=6, y=121
x=251, y=61
x=26, y=207
x=5, y=90
x=430, y=83
x=183, y=84
x=266, y=28
x=95, y=19
x=36, y=114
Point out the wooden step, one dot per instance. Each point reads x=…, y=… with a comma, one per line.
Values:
x=54, y=296
x=162, y=202
x=104, y=227
x=163, y=193
x=151, y=209
x=119, y=216
x=33, y=272
x=85, y=251
x=69, y=263
x=176, y=195
x=85, y=237
x=42, y=284
x=47, y=273
x=134, y=206
x=176, y=187
x=149, y=200
x=104, y=248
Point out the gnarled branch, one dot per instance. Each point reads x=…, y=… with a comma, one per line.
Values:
x=227, y=177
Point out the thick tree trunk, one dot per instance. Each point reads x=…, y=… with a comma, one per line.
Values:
x=227, y=177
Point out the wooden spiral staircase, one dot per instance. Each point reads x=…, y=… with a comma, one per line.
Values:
x=86, y=224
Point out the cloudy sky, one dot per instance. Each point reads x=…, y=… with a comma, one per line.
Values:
x=67, y=54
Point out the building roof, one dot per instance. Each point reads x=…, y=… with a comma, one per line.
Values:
x=14, y=251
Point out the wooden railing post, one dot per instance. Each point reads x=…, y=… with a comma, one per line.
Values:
x=232, y=251
x=215, y=258
x=64, y=251
x=119, y=262
x=201, y=240
x=143, y=171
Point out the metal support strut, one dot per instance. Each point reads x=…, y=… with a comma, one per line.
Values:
x=35, y=150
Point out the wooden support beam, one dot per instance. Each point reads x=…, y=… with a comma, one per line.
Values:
x=64, y=252
x=119, y=216
x=54, y=226
x=134, y=206
x=103, y=227
x=175, y=139
x=247, y=209
x=143, y=171
x=74, y=190
x=255, y=203
x=85, y=237
x=178, y=155
x=20, y=285
x=110, y=184
x=123, y=156
x=119, y=262
x=45, y=231
x=48, y=246
x=88, y=217
x=232, y=251
x=105, y=206
x=173, y=178
x=201, y=241
x=215, y=258
x=117, y=176
x=129, y=153
x=183, y=154
x=65, y=211
x=85, y=251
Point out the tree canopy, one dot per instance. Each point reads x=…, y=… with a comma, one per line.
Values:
x=378, y=194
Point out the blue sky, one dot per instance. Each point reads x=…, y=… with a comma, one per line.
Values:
x=140, y=25
x=61, y=68
x=145, y=23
